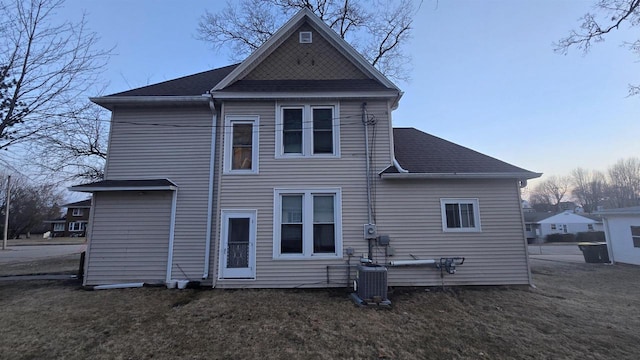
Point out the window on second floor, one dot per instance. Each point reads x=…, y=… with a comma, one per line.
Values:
x=307, y=130
x=241, y=144
x=77, y=212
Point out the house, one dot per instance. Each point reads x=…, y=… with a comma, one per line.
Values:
x=568, y=222
x=74, y=222
x=284, y=171
x=622, y=230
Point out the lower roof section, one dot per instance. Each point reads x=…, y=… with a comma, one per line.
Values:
x=126, y=185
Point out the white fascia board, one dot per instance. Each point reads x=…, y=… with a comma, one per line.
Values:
x=332, y=36
x=109, y=101
x=460, y=176
x=305, y=95
x=121, y=188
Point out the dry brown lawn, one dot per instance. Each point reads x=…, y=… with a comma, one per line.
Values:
x=577, y=311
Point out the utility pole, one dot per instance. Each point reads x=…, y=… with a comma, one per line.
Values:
x=6, y=213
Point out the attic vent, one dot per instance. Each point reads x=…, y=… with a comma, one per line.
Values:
x=305, y=37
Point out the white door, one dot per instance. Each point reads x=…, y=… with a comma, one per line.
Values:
x=238, y=244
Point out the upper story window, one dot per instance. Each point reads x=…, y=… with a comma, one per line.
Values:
x=77, y=212
x=241, y=144
x=460, y=215
x=307, y=130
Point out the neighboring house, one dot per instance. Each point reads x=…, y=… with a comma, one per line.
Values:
x=622, y=230
x=266, y=174
x=532, y=227
x=567, y=222
x=74, y=222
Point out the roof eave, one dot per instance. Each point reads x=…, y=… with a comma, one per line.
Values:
x=304, y=95
x=410, y=175
x=109, y=102
x=91, y=189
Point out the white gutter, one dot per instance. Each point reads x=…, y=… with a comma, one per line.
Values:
x=118, y=286
x=214, y=122
x=461, y=175
x=172, y=227
x=412, y=262
x=360, y=95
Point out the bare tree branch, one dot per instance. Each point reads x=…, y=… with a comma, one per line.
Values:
x=378, y=29
x=49, y=65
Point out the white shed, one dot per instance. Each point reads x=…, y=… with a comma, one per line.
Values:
x=622, y=230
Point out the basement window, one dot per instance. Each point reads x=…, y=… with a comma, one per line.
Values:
x=460, y=215
x=635, y=236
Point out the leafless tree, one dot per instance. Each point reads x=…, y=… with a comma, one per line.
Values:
x=624, y=181
x=47, y=65
x=31, y=204
x=77, y=151
x=589, y=188
x=607, y=16
x=378, y=29
x=550, y=192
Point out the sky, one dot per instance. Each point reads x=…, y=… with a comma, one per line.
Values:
x=484, y=74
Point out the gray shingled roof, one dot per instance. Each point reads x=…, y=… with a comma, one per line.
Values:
x=192, y=85
x=79, y=204
x=419, y=152
x=116, y=185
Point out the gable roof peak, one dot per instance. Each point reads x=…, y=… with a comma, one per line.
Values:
x=302, y=16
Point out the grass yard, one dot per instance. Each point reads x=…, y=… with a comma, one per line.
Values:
x=577, y=311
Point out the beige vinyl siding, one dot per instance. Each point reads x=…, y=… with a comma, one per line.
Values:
x=173, y=143
x=409, y=212
x=346, y=172
x=125, y=248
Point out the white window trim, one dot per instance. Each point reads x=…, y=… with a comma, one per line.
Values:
x=229, y=120
x=79, y=224
x=476, y=214
x=307, y=130
x=76, y=212
x=307, y=246
x=58, y=227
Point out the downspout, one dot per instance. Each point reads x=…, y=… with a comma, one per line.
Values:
x=521, y=184
x=172, y=228
x=207, y=251
x=365, y=122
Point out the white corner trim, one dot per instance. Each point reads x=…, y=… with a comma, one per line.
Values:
x=207, y=251
x=172, y=229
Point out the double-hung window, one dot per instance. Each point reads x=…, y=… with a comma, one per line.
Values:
x=241, y=144
x=307, y=223
x=460, y=215
x=77, y=212
x=307, y=130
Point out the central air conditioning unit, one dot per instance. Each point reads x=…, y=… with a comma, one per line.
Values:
x=371, y=284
